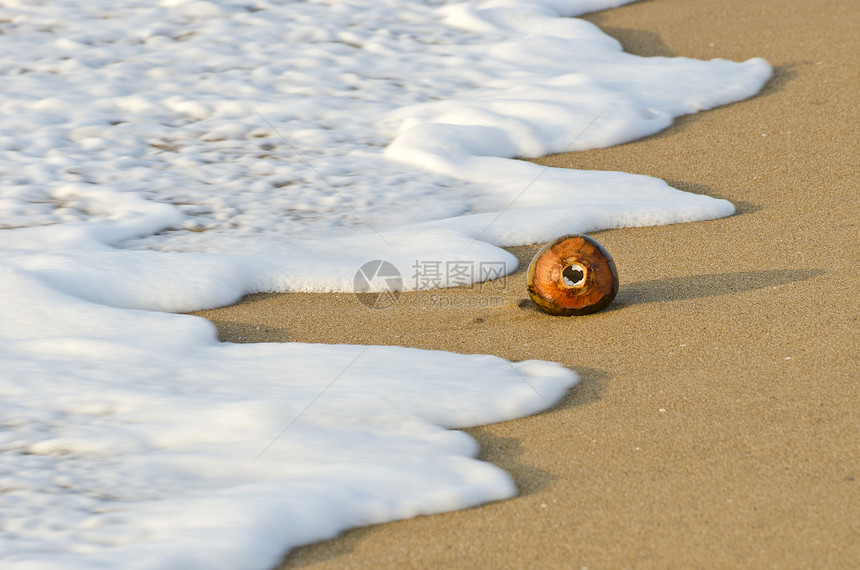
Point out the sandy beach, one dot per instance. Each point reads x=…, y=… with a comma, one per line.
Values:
x=716, y=423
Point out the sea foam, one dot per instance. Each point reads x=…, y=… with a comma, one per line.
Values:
x=164, y=157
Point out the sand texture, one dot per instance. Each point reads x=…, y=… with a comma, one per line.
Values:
x=717, y=423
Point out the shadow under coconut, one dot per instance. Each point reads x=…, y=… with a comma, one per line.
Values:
x=699, y=286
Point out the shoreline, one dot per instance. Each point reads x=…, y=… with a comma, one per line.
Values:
x=715, y=423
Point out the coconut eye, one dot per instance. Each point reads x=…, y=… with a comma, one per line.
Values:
x=573, y=275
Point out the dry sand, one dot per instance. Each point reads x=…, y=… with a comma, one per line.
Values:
x=718, y=420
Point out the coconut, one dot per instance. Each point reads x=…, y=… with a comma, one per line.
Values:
x=572, y=275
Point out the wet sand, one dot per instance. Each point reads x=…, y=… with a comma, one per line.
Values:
x=717, y=421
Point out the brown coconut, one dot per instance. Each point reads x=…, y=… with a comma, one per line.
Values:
x=572, y=275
